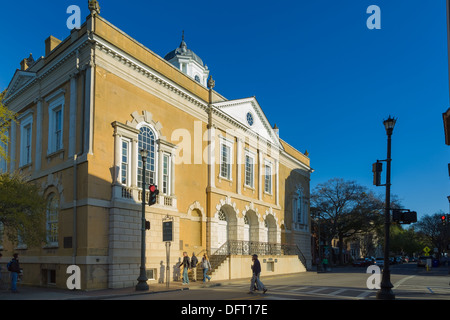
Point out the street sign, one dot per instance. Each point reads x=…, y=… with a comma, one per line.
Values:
x=167, y=228
x=426, y=250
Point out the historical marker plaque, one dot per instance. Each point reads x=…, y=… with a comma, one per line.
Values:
x=167, y=231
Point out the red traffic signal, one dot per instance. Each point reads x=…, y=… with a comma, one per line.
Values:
x=153, y=194
x=443, y=219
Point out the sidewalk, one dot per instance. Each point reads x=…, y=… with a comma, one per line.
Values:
x=44, y=293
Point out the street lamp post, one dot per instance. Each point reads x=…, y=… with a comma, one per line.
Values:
x=142, y=279
x=385, y=291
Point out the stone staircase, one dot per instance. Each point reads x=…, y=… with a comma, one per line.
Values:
x=246, y=248
x=215, y=260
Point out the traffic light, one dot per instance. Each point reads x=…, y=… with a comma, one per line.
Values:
x=404, y=216
x=377, y=167
x=443, y=219
x=397, y=215
x=410, y=217
x=153, y=194
x=147, y=225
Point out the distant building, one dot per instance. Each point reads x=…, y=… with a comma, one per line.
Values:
x=226, y=179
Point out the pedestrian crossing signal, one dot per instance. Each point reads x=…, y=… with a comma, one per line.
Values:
x=153, y=194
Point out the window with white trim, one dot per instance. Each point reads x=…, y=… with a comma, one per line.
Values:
x=249, y=170
x=52, y=219
x=26, y=135
x=225, y=158
x=125, y=162
x=166, y=174
x=268, y=177
x=147, y=141
x=298, y=207
x=55, y=125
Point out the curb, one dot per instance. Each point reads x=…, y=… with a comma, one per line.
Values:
x=112, y=296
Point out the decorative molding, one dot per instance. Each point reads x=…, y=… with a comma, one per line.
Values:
x=226, y=201
x=196, y=206
x=147, y=117
x=48, y=69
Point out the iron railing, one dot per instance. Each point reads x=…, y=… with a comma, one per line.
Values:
x=240, y=247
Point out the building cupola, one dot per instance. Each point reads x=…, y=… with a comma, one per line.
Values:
x=188, y=62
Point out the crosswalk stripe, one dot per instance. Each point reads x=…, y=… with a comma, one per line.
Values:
x=295, y=290
x=335, y=293
x=364, y=294
x=317, y=290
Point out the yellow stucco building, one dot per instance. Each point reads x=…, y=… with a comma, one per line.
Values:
x=228, y=182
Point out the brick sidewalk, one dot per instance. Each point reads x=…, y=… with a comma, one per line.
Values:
x=44, y=293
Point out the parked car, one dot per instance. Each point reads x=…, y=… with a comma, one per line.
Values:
x=379, y=262
x=359, y=262
x=370, y=261
x=422, y=261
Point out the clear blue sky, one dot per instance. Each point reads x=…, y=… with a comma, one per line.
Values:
x=318, y=72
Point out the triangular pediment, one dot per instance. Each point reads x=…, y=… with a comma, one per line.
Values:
x=20, y=79
x=250, y=115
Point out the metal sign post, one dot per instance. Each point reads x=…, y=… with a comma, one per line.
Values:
x=167, y=228
x=167, y=263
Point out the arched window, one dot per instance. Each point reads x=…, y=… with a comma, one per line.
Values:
x=147, y=141
x=52, y=219
x=298, y=207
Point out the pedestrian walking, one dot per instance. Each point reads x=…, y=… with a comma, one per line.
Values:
x=206, y=265
x=194, y=262
x=325, y=264
x=14, y=268
x=186, y=265
x=256, y=270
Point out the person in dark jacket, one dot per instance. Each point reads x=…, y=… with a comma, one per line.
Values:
x=14, y=268
x=256, y=270
x=186, y=265
x=194, y=262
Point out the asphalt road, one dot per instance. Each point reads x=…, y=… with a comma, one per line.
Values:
x=410, y=283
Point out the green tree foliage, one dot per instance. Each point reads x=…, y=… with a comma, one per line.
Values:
x=22, y=210
x=403, y=241
x=6, y=116
x=434, y=233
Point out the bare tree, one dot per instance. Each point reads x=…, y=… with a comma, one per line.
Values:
x=348, y=209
